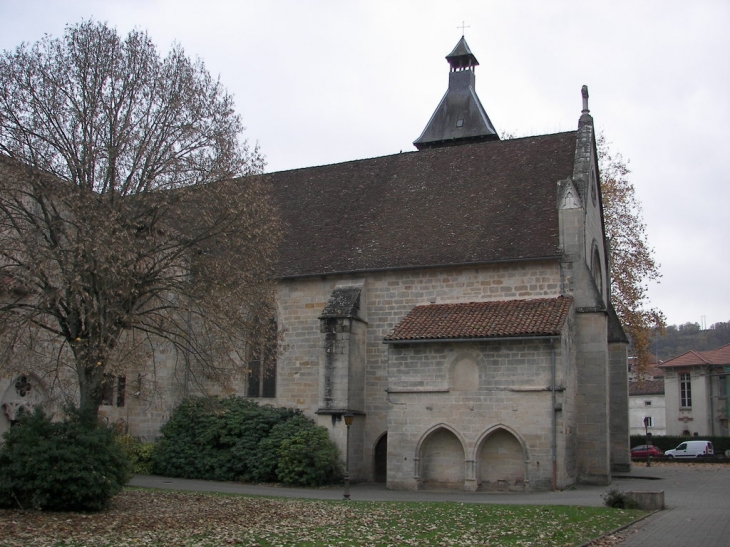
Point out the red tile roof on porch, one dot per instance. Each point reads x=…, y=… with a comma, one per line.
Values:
x=502, y=319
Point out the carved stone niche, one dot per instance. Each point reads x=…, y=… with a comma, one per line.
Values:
x=23, y=394
x=342, y=361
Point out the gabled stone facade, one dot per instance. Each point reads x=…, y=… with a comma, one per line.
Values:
x=487, y=403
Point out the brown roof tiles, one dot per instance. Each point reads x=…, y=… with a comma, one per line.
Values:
x=502, y=319
x=467, y=204
x=720, y=356
x=647, y=387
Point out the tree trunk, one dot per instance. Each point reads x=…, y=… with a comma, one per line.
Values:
x=91, y=378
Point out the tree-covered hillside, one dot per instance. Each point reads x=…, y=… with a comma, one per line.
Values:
x=689, y=337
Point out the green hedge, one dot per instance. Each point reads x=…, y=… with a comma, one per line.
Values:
x=71, y=465
x=667, y=442
x=236, y=439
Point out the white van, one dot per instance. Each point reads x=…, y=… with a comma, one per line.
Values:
x=691, y=449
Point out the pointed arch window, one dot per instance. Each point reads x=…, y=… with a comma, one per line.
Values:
x=597, y=270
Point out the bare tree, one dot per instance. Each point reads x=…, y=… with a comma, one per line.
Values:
x=632, y=260
x=123, y=225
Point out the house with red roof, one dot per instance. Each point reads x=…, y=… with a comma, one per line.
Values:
x=696, y=391
x=647, y=407
x=646, y=399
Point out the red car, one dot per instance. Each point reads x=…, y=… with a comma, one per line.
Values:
x=642, y=451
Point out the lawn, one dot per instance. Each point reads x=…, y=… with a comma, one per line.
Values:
x=162, y=518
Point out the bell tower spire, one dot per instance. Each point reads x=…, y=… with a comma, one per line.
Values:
x=460, y=117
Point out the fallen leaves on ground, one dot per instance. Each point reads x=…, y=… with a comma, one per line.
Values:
x=147, y=517
x=162, y=518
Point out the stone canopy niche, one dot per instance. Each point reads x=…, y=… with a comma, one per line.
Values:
x=342, y=362
x=22, y=396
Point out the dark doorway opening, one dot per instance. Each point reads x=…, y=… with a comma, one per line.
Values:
x=381, y=459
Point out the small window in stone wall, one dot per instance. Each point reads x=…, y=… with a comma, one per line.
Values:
x=114, y=385
x=465, y=375
x=261, y=380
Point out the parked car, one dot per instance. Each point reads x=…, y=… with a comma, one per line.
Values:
x=643, y=451
x=692, y=449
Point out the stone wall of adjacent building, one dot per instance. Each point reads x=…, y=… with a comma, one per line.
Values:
x=707, y=415
x=641, y=406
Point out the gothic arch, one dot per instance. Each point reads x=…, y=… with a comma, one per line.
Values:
x=464, y=371
x=597, y=268
x=501, y=457
x=440, y=454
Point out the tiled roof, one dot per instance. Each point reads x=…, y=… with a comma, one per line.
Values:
x=503, y=319
x=467, y=204
x=720, y=356
x=646, y=387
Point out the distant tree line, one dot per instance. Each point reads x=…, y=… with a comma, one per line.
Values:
x=679, y=339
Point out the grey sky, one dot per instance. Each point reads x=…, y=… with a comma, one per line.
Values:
x=327, y=81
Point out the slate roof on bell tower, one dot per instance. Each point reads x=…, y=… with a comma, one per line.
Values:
x=460, y=117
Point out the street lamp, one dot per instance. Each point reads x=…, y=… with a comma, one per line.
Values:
x=348, y=422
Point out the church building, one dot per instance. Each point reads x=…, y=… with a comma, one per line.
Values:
x=451, y=303
x=456, y=301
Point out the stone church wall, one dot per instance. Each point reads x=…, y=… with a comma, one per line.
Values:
x=389, y=296
x=510, y=397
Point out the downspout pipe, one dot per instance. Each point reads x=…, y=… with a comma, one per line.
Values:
x=554, y=440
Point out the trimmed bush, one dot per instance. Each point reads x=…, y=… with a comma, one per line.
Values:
x=299, y=453
x=618, y=500
x=138, y=453
x=72, y=465
x=236, y=439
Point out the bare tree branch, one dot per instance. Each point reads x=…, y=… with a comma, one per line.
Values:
x=120, y=210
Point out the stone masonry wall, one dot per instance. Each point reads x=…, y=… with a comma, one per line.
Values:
x=592, y=401
x=389, y=296
x=512, y=394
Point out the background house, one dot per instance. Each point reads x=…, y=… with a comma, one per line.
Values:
x=646, y=400
x=696, y=392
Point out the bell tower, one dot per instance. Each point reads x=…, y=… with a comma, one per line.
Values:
x=460, y=117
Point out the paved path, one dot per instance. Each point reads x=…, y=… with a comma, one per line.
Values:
x=697, y=500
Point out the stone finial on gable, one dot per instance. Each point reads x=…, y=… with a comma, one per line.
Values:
x=585, y=116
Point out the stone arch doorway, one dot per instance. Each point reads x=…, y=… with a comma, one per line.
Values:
x=380, y=463
x=501, y=463
x=442, y=460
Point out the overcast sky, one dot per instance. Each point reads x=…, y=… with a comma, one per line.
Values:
x=320, y=82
